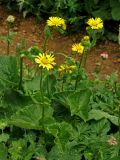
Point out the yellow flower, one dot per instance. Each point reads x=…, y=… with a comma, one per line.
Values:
x=78, y=47
x=45, y=60
x=96, y=23
x=86, y=38
x=66, y=68
x=57, y=22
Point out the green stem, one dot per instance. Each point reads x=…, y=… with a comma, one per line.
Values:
x=8, y=43
x=86, y=55
x=48, y=86
x=43, y=111
x=41, y=81
x=21, y=73
x=45, y=45
x=77, y=78
x=62, y=85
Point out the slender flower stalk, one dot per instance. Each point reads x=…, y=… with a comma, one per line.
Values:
x=86, y=55
x=41, y=95
x=45, y=44
x=41, y=80
x=77, y=78
x=21, y=72
x=10, y=20
x=45, y=61
x=8, y=43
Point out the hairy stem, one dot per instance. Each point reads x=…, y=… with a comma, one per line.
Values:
x=45, y=45
x=86, y=55
x=21, y=73
x=8, y=43
x=77, y=78
x=41, y=95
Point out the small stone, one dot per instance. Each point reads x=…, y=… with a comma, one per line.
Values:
x=24, y=31
x=15, y=29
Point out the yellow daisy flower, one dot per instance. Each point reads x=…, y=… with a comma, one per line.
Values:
x=57, y=22
x=96, y=23
x=78, y=47
x=66, y=68
x=45, y=61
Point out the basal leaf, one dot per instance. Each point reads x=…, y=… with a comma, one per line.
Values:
x=32, y=85
x=49, y=83
x=77, y=102
x=30, y=117
x=8, y=71
x=69, y=153
x=98, y=114
x=27, y=117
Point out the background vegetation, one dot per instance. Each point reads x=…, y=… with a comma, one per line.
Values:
x=75, y=11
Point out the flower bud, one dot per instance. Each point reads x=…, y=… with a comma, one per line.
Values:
x=10, y=19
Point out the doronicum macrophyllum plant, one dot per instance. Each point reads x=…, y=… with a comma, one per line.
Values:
x=54, y=111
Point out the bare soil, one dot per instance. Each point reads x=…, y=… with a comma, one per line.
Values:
x=33, y=33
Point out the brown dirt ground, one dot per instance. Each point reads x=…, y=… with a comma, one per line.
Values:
x=33, y=33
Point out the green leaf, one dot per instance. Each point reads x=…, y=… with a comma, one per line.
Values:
x=32, y=85
x=12, y=101
x=3, y=123
x=30, y=117
x=77, y=102
x=98, y=114
x=27, y=117
x=115, y=158
x=69, y=153
x=49, y=84
x=8, y=71
x=116, y=12
x=63, y=133
x=3, y=152
x=101, y=127
x=115, y=8
x=16, y=149
x=4, y=137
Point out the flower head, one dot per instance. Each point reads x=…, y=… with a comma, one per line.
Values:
x=104, y=55
x=10, y=19
x=86, y=38
x=96, y=23
x=78, y=47
x=66, y=68
x=112, y=141
x=86, y=42
x=45, y=60
x=56, y=22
